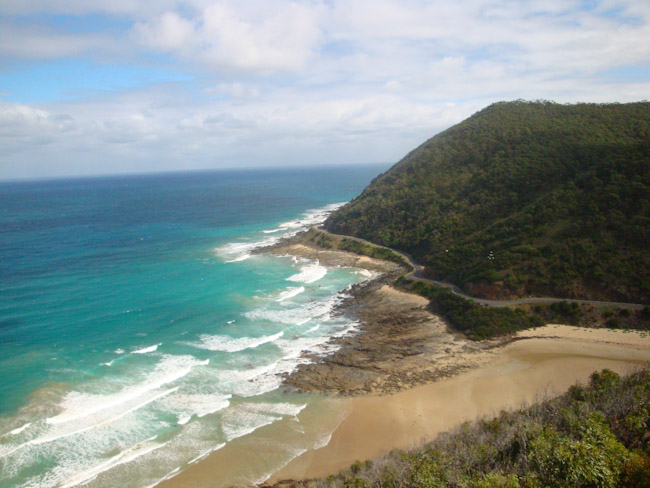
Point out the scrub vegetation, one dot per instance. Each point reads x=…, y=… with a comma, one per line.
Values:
x=592, y=436
x=479, y=322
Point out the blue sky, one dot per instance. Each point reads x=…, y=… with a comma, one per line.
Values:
x=132, y=86
x=70, y=79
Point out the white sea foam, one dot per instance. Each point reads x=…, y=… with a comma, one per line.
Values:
x=81, y=414
x=77, y=405
x=292, y=224
x=62, y=434
x=232, y=344
x=288, y=409
x=256, y=381
x=206, y=453
x=19, y=429
x=311, y=217
x=199, y=404
x=319, y=310
x=106, y=421
x=246, y=383
x=239, y=251
x=365, y=273
x=145, y=350
x=309, y=273
x=290, y=293
x=124, y=457
x=119, y=351
x=296, y=453
x=242, y=421
x=295, y=348
x=169, y=475
x=322, y=442
x=242, y=257
x=345, y=329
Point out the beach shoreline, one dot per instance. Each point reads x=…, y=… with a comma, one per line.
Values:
x=404, y=376
x=544, y=363
x=399, y=344
x=404, y=358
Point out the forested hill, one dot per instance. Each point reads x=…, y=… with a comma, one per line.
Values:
x=522, y=198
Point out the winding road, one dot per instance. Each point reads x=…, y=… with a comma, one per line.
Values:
x=417, y=271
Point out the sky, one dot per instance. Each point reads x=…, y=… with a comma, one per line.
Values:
x=121, y=86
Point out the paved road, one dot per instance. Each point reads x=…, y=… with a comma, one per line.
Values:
x=417, y=271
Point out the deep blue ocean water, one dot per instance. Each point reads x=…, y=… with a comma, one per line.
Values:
x=137, y=332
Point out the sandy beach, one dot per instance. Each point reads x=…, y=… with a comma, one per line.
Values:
x=406, y=377
x=545, y=362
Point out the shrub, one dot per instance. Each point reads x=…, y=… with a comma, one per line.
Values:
x=496, y=480
x=357, y=483
x=425, y=472
x=604, y=381
x=596, y=460
x=636, y=472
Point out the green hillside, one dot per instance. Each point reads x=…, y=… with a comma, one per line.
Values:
x=522, y=198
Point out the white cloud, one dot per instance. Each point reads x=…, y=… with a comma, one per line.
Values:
x=83, y=7
x=234, y=90
x=19, y=122
x=168, y=32
x=393, y=85
x=308, y=81
x=45, y=43
x=219, y=37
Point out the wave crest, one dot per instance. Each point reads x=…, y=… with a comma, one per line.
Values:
x=240, y=251
x=232, y=344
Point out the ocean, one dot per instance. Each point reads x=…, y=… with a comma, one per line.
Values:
x=138, y=334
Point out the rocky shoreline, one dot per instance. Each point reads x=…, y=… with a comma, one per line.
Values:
x=400, y=343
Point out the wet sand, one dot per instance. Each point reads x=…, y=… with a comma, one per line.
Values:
x=546, y=362
x=543, y=362
x=405, y=377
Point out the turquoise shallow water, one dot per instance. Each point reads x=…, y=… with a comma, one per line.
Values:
x=138, y=334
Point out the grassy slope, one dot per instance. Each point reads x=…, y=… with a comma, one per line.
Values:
x=522, y=198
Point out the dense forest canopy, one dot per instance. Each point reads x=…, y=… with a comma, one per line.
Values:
x=522, y=198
